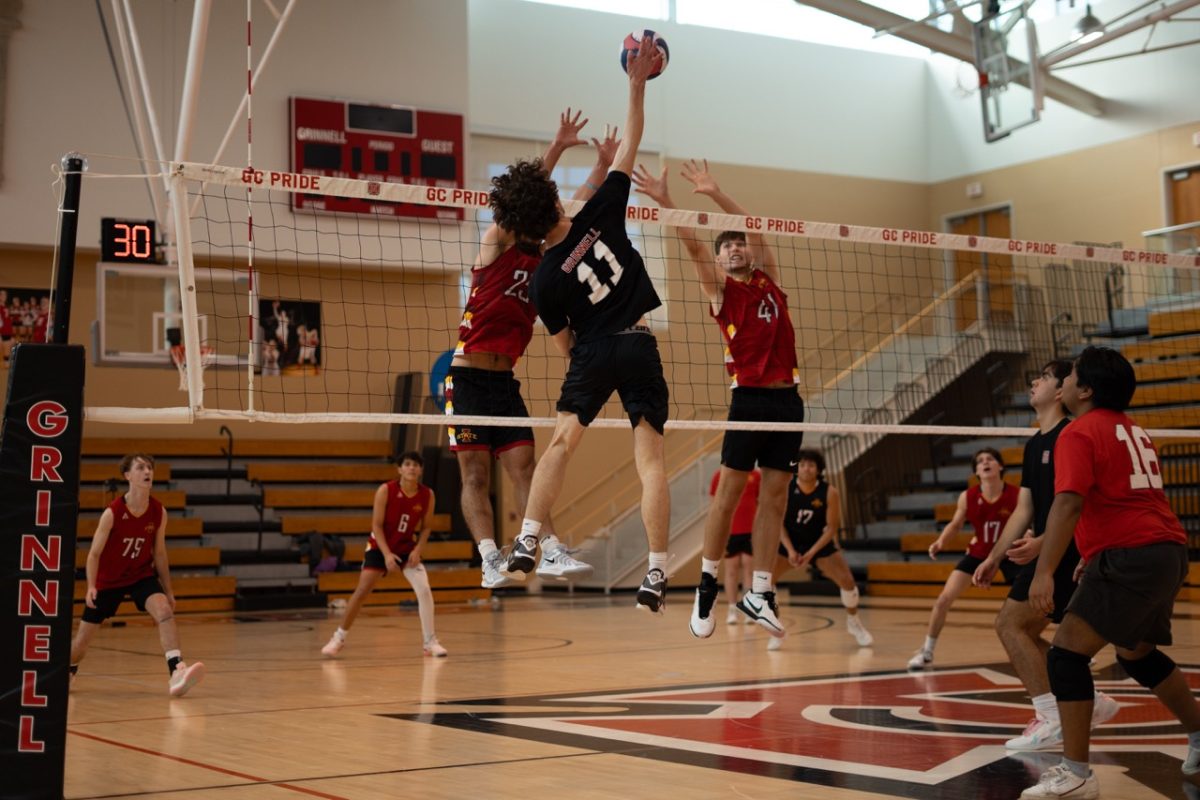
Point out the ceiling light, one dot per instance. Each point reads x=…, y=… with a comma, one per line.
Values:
x=1089, y=28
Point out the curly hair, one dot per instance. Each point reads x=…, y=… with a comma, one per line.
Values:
x=524, y=200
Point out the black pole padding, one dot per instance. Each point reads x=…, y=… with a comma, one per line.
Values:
x=68, y=230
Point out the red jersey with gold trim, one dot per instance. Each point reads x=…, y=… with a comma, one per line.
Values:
x=499, y=317
x=760, y=342
x=989, y=519
x=6, y=325
x=403, y=517
x=1110, y=462
x=128, y=555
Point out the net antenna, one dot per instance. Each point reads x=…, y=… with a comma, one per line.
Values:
x=1010, y=77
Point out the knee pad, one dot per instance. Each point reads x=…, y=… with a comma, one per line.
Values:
x=1070, y=677
x=1150, y=670
x=850, y=597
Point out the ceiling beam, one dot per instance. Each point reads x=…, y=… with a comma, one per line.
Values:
x=1165, y=12
x=949, y=44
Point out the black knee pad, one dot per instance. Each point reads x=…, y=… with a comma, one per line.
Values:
x=1149, y=670
x=1070, y=676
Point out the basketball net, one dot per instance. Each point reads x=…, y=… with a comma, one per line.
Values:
x=179, y=355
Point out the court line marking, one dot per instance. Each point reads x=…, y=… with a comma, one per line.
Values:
x=211, y=767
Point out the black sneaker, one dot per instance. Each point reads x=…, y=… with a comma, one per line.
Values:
x=652, y=594
x=701, y=624
x=522, y=557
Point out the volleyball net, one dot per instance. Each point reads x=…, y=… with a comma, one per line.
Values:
x=292, y=316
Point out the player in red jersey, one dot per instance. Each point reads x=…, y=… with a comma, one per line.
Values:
x=6, y=327
x=987, y=506
x=401, y=522
x=739, y=559
x=760, y=353
x=128, y=558
x=496, y=327
x=1109, y=497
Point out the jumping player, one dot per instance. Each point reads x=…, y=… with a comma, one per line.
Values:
x=128, y=558
x=1109, y=498
x=402, y=508
x=987, y=506
x=760, y=353
x=739, y=558
x=809, y=535
x=592, y=292
x=496, y=327
x=1019, y=625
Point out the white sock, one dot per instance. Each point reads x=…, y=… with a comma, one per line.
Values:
x=1046, y=707
x=762, y=582
x=173, y=654
x=549, y=540
x=530, y=527
x=850, y=598
x=658, y=561
x=487, y=547
x=709, y=566
x=930, y=643
x=340, y=633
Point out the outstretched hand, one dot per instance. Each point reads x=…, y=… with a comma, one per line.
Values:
x=568, y=129
x=696, y=173
x=641, y=62
x=654, y=188
x=606, y=149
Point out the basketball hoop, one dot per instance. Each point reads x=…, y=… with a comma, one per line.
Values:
x=179, y=355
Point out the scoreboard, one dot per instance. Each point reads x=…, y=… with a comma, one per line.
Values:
x=385, y=143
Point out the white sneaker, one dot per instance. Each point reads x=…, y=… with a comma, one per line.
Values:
x=1039, y=734
x=1104, y=708
x=334, y=646
x=701, y=623
x=434, y=648
x=557, y=563
x=493, y=578
x=760, y=607
x=1191, y=765
x=1059, y=781
x=860, y=634
x=775, y=643
x=731, y=616
x=921, y=660
x=185, y=677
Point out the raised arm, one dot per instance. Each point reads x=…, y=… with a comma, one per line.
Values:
x=639, y=65
x=606, y=150
x=696, y=173
x=706, y=268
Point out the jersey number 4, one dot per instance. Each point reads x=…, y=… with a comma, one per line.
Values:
x=587, y=275
x=1146, y=473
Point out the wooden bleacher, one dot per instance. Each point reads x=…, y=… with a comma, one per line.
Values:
x=312, y=473
x=343, y=523
x=177, y=556
x=177, y=527
x=99, y=473
x=320, y=498
x=450, y=585
x=918, y=543
x=921, y=579
x=98, y=499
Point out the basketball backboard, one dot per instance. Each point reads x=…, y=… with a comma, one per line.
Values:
x=1010, y=80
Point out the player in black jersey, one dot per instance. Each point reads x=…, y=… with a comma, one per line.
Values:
x=1019, y=625
x=809, y=536
x=592, y=291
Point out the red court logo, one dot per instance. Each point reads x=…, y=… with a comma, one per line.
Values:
x=936, y=734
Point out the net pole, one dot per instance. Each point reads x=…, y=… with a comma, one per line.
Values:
x=187, y=292
x=251, y=353
x=68, y=230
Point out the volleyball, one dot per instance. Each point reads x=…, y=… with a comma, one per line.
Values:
x=634, y=41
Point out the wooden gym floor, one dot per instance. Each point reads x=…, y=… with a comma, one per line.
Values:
x=556, y=696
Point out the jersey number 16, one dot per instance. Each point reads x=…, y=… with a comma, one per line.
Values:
x=1144, y=460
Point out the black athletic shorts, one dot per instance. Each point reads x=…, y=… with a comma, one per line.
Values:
x=1127, y=594
x=486, y=393
x=802, y=543
x=627, y=363
x=739, y=543
x=970, y=563
x=742, y=449
x=1064, y=582
x=109, y=600
x=373, y=560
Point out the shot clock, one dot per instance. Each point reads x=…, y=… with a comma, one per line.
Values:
x=127, y=241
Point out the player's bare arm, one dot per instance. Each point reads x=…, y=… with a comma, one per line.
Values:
x=656, y=189
x=952, y=528
x=696, y=173
x=564, y=340
x=378, y=514
x=833, y=523
x=606, y=151
x=414, y=558
x=1060, y=528
x=99, y=540
x=639, y=65
x=161, y=564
